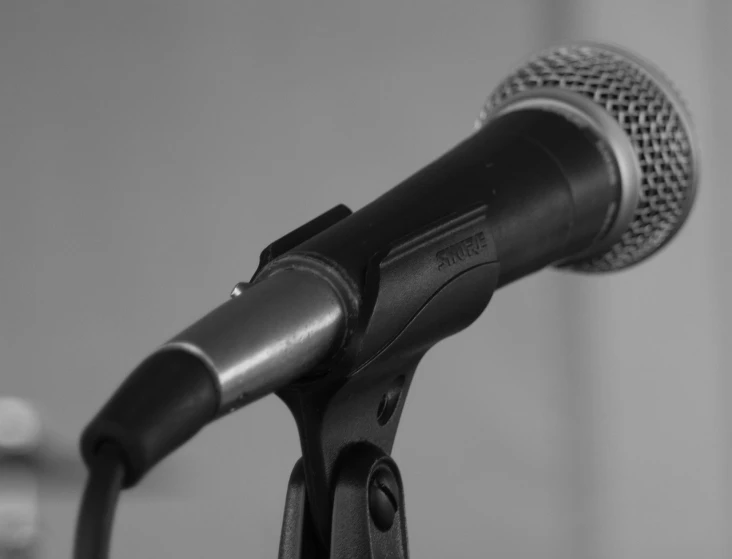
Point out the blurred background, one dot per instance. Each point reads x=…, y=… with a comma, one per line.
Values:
x=150, y=150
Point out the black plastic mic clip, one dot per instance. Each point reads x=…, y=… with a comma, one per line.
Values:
x=345, y=497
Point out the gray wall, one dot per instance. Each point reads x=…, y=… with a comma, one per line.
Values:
x=149, y=150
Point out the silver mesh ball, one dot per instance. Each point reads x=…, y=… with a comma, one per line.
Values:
x=648, y=109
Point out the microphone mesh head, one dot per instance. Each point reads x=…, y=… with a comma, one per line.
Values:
x=652, y=115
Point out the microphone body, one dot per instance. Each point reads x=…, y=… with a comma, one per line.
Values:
x=544, y=192
x=545, y=183
x=556, y=174
x=510, y=193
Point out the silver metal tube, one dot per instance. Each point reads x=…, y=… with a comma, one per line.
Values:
x=271, y=334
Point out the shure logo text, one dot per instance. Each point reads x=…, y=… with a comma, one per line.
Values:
x=463, y=250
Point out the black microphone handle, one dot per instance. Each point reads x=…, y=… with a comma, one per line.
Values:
x=549, y=189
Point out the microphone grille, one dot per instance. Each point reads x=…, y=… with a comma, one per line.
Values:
x=653, y=117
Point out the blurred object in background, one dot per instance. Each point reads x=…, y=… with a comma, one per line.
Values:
x=34, y=463
x=20, y=438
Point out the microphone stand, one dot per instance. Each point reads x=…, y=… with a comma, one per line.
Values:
x=368, y=512
x=345, y=497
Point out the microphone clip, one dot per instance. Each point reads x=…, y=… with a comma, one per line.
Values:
x=345, y=496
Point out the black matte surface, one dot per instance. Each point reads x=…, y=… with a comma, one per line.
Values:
x=163, y=403
x=99, y=505
x=545, y=184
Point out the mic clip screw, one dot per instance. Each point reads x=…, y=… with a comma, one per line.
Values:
x=239, y=288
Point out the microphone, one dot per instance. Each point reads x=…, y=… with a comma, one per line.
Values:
x=583, y=158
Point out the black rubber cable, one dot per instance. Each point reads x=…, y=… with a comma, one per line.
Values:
x=98, y=505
